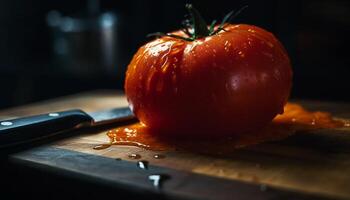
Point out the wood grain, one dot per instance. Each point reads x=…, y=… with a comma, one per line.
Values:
x=315, y=162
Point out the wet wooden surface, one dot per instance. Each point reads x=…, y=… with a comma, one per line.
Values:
x=316, y=163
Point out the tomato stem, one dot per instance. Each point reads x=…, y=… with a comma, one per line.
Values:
x=200, y=28
x=196, y=27
x=228, y=17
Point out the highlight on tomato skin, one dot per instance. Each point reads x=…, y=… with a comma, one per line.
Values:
x=236, y=80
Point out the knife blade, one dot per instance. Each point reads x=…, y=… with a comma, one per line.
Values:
x=22, y=130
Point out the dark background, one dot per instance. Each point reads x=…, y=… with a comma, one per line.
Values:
x=315, y=33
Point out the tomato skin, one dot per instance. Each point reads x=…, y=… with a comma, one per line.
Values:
x=235, y=81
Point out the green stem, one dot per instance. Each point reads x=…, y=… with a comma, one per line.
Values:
x=199, y=25
x=196, y=27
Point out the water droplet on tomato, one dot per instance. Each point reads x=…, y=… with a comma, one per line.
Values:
x=270, y=44
x=251, y=30
x=267, y=54
x=165, y=66
x=241, y=54
x=227, y=46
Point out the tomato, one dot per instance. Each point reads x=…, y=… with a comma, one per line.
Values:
x=234, y=81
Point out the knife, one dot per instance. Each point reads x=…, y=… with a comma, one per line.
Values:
x=21, y=130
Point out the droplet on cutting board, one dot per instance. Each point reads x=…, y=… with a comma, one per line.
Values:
x=143, y=164
x=157, y=179
x=134, y=156
x=159, y=156
x=101, y=146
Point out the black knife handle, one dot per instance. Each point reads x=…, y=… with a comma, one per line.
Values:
x=25, y=129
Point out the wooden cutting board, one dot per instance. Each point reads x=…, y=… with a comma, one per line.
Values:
x=310, y=164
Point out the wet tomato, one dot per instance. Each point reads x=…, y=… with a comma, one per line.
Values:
x=232, y=81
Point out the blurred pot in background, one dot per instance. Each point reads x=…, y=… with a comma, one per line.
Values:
x=85, y=44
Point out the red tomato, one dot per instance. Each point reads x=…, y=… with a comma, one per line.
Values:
x=235, y=81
